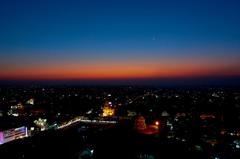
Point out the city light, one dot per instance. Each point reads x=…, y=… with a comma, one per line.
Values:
x=129, y=79
x=13, y=134
x=108, y=110
x=1, y=138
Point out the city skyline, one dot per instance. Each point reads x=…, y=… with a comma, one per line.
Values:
x=120, y=40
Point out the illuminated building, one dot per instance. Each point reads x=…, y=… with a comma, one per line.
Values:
x=30, y=101
x=141, y=127
x=18, y=106
x=108, y=110
x=164, y=119
x=41, y=123
x=13, y=134
x=1, y=113
x=16, y=110
x=140, y=123
x=1, y=138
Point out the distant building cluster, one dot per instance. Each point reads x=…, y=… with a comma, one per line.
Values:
x=204, y=120
x=20, y=109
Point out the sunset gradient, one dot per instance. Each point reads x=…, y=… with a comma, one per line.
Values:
x=93, y=40
x=123, y=69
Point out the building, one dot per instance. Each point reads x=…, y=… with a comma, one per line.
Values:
x=108, y=110
x=13, y=134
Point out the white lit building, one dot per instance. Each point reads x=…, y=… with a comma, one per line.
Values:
x=13, y=134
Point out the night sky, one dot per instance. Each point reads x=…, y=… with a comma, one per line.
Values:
x=119, y=39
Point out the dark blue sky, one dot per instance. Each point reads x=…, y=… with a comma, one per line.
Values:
x=55, y=33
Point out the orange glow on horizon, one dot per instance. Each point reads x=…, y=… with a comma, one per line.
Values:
x=122, y=70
